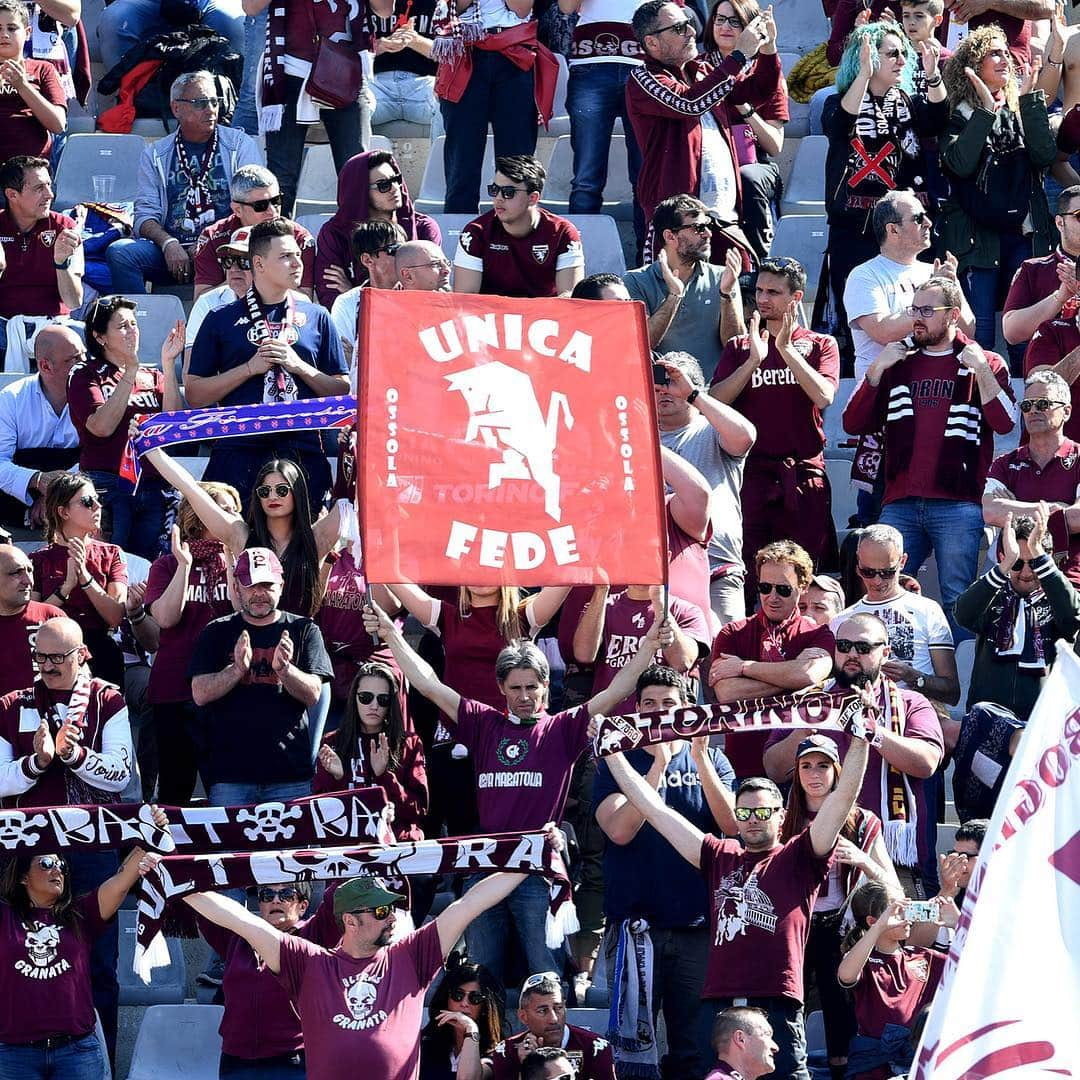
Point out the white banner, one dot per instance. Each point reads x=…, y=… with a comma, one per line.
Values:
x=1009, y=1003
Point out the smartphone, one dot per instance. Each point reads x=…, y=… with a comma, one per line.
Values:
x=660, y=375
x=922, y=911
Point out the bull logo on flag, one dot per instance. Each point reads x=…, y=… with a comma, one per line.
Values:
x=504, y=413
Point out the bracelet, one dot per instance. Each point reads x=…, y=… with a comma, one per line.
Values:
x=729, y=296
x=86, y=584
x=1056, y=63
x=138, y=617
x=935, y=83
x=171, y=240
x=62, y=265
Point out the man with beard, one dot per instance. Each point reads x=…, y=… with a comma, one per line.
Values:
x=907, y=749
x=939, y=406
x=20, y=618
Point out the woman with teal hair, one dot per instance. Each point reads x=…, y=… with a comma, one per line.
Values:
x=875, y=125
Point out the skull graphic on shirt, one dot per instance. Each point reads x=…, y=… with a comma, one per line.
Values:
x=360, y=997
x=42, y=944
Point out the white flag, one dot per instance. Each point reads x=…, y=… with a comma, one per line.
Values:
x=1009, y=1002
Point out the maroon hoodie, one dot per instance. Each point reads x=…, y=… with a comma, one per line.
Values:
x=335, y=237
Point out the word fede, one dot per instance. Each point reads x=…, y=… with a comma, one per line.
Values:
x=528, y=550
x=482, y=332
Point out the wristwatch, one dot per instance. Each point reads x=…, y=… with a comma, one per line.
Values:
x=920, y=682
x=474, y=1035
x=692, y=396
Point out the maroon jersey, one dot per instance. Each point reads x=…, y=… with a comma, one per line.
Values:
x=519, y=265
x=759, y=916
x=92, y=384
x=756, y=638
x=1035, y=280
x=28, y=286
x=589, y=1053
x=208, y=270
x=103, y=564
x=789, y=424
x=45, y=986
x=894, y=987
x=471, y=644
x=522, y=770
x=20, y=131
x=17, y=636
x=1050, y=344
x=361, y=1017
x=689, y=574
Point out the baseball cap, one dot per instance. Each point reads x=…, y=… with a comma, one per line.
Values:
x=830, y=585
x=258, y=566
x=238, y=243
x=363, y=892
x=818, y=744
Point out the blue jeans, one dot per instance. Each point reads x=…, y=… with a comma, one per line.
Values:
x=124, y=23
x=246, y=116
x=80, y=1060
x=487, y=936
x=134, y=262
x=229, y=793
x=953, y=531
x=138, y=521
x=986, y=286
x=404, y=95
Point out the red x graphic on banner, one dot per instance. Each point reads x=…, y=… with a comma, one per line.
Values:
x=873, y=164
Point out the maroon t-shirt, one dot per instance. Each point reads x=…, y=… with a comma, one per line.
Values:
x=759, y=916
x=103, y=564
x=756, y=638
x=1035, y=280
x=45, y=980
x=689, y=573
x=28, y=286
x=92, y=384
x=20, y=131
x=208, y=267
x=894, y=987
x=589, y=1053
x=519, y=265
x=206, y=598
x=17, y=636
x=522, y=770
x=1049, y=345
x=789, y=424
x=362, y=1017
x=626, y=622
x=471, y=644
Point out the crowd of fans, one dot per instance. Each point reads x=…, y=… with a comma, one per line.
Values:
x=214, y=638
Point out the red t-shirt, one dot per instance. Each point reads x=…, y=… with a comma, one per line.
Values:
x=789, y=424
x=1035, y=280
x=689, y=573
x=103, y=564
x=1049, y=345
x=17, y=636
x=756, y=638
x=894, y=987
x=589, y=1053
x=362, y=1017
x=20, y=131
x=91, y=384
x=45, y=986
x=522, y=770
x=471, y=644
x=759, y=916
x=208, y=268
x=28, y=286
x=519, y=265
x=206, y=598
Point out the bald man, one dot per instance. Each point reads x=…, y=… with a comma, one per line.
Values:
x=37, y=438
x=422, y=267
x=20, y=619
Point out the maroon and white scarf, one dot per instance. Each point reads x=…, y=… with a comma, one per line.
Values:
x=78, y=791
x=278, y=384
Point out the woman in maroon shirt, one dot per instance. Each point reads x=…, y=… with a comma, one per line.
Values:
x=33, y=105
x=104, y=394
x=80, y=574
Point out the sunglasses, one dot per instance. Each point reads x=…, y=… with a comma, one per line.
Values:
x=380, y=913
x=50, y=862
x=1020, y=564
x=893, y=54
x=40, y=658
x=261, y=205
x=366, y=697
x=764, y=588
x=476, y=997
x=870, y=573
x=288, y=894
x=538, y=978
x=89, y=501
x=863, y=648
x=761, y=813
x=728, y=20
x=921, y=218
x=202, y=102
x=702, y=228
x=683, y=29
x=383, y=186
x=443, y=265
x=231, y=261
x=390, y=249
x=926, y=311
x=504, y=191
x=1040, y=404
x=280, y=490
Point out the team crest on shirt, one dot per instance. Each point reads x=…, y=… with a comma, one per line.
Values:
x=512, y=751
x=360, y=993
x=42, y=947
x=540, y=252
x=804, y=346
x=466, y=239
x=919, y=966
x=48, y=237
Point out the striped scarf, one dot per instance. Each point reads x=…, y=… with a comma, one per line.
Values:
x=78, y=791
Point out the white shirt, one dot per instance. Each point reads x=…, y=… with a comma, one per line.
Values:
x=28, y=422
x=343, y=315
x=209, y=301
x=495, y=15
x=716, y=187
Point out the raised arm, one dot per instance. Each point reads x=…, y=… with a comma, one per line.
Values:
x=256, y=931
x=420, y=605
x=483, y=895
x=691, y=494
x=661, y=635
x=589, y=631
x=851, y=967
x=825, y=828
x=543, y=606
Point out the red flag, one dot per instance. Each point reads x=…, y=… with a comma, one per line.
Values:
x=508, y=441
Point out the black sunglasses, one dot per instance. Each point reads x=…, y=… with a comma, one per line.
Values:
x=921, y=218
x=476, y=997
x=280, y=490
x=1020, y=564
x=683, y=29
x=764, y=588
x=506, y=191
x=51, y=862
x=871, y=573
x=702, y=228
x=40, y=658
x=380, y=913
x=89, y=501
x=1042, y=404
x=383, y=186
x=230, y=261
x=261, y=205
x=863, y=648
x=366, y=697
x=390, y=249
x=288, y=894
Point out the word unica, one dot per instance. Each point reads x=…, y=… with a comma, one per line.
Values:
x=510, y=332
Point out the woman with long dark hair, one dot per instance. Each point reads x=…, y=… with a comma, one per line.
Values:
x=82, y=575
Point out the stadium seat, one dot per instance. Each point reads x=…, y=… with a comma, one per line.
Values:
x=167, y=984
x=618, y=195
x=432, y=195
x=178, y=1041
x=313, y=222
x=815, y=1032
x=802, y=237
x=98, y=157
x=156, y=314
x=450, y=225
x=836, y=437
x=403, y=129
x=803, y=25
x=590, y=1019
x=817, y=107
x=316, y=189
x=844, y=492
x=804, y=192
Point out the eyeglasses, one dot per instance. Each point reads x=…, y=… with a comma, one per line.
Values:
x=538, y=978
x=921, y=218
x=1020, y=564
x=871, y=573
x=231, y=262
x=40, y=658
x=89, y=501
x=893, y=54
x=863, y=648
x=504, y=191
x=386, y=183
x=280, y=490
x=288, y=894
x=925, y=311
x=440, y=264
x=764, y=588
x=728, y=20
x=702, y=228
x=366, y=697
x=1041, y=404
x=476, y=997
x=683, y=29
x=390, y=249
x=51, y=862
x=201, y=102
x=261, y=205
x=761, y=813
x=380, y=913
